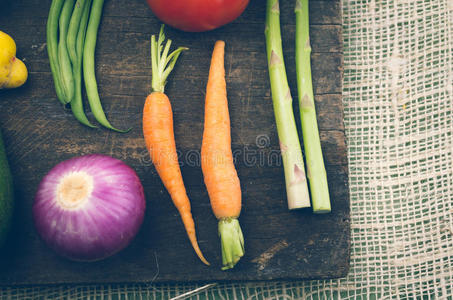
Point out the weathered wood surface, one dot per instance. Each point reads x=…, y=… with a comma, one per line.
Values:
x=279, y=244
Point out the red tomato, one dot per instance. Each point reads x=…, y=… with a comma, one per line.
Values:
x=197, y=15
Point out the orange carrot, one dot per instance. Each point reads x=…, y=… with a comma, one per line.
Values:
x=159, y=135
x=219, y=173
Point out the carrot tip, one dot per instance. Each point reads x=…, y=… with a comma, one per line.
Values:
x=198, y=252
x=205, y=261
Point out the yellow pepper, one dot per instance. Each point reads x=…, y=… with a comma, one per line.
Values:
x=13, y=72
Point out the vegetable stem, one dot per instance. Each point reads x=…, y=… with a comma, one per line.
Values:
x=232, y=242
x=162, y=63
x=293, y=164
x=89, y=68
x=316, y=171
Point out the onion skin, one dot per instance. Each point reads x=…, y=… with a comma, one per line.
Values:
x=100, y=226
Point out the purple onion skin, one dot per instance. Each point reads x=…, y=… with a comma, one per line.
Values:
x=106, y=223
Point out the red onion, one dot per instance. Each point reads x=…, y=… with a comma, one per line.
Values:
x=89, y=207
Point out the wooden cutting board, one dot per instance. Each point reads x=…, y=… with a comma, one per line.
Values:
x=39, y=133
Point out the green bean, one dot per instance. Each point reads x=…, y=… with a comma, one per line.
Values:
x=67, y=79
x=89, y=69
x=75, y=41
x=82, y=30
x=73, y=29
x=52, y=42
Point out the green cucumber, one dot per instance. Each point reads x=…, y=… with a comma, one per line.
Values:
x=6, y=194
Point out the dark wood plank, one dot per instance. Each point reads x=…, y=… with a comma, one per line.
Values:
x=40, y=133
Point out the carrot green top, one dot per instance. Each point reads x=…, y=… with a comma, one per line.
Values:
x=162, y=63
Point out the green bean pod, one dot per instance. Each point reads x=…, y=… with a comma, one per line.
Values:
x=73, y=30
x=75, y=42
x=89, y=68
x=52, y=51
x=67, y=79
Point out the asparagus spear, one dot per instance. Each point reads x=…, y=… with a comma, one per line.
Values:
x=316, y=171
x=293, y=164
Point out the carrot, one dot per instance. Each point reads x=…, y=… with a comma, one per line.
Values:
x=219, y=173
x=159, y=135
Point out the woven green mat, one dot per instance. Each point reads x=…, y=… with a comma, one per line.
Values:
x=398, y=99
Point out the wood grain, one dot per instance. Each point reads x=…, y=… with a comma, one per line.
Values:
x=39, y=133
